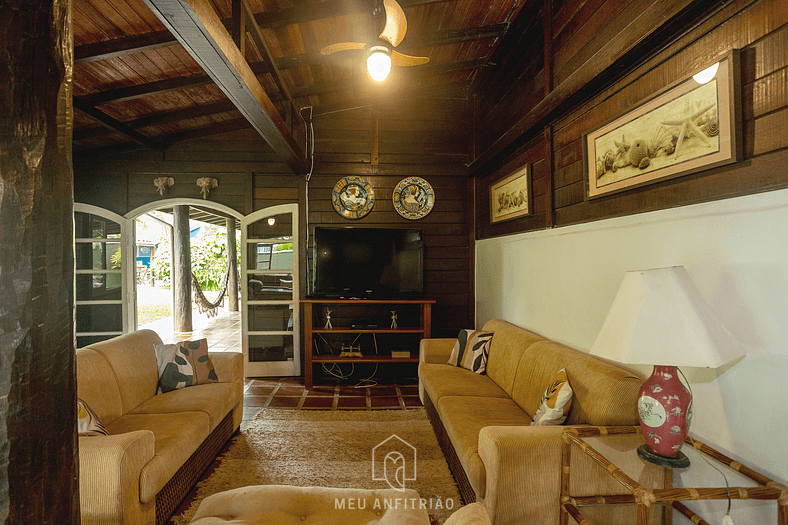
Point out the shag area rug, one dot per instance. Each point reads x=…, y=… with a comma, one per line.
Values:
x=330, y=449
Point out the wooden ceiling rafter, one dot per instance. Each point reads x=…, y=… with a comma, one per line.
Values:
x=299, y=14
x=115, y=125
x=198, y=28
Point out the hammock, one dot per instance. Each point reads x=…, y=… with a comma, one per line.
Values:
x=203, y=304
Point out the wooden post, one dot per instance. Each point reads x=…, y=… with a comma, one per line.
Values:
x=232, y=260
x=38, y=469
x=181, y=271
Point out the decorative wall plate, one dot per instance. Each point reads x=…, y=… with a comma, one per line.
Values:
x=413, y=198
x=353, y=197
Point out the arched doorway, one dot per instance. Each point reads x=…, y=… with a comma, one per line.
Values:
x=268, y=263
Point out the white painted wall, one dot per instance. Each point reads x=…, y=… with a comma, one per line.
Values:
x=561, y=283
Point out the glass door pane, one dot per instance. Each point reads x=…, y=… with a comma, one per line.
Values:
x=99, y=265
x=270, y=301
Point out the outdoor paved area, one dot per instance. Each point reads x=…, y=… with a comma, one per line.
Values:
x=223, y=331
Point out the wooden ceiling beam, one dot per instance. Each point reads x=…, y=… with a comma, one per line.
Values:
x=301, y=13
x=199, y=29
x=436, y=39
x=116, y=125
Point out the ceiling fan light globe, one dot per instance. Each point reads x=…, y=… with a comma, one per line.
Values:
x=379, y=65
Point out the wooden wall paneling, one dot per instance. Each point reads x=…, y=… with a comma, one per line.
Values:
x=413, y=141
x=549, y=166
x=764, y=61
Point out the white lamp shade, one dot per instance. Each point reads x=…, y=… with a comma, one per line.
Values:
x=660, y=318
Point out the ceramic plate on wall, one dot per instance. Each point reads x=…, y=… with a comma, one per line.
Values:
x=353, y=197
x=413, y=198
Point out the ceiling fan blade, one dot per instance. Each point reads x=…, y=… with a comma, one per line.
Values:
x=342, y=46
x=396, y=23
x=398, y=59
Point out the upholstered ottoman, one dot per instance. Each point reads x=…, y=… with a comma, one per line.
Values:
x=282, y=504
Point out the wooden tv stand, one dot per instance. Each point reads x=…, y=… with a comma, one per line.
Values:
x=424, y=329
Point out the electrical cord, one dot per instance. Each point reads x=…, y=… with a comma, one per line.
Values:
x=726, y=520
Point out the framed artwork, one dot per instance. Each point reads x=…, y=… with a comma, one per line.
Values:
x=689, y=126
x=510, y=197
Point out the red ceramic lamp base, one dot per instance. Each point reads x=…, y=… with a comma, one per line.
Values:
x=663, y=406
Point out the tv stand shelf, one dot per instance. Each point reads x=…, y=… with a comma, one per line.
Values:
x=311, y=359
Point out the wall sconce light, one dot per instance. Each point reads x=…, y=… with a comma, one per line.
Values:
x=707, y=74
x=271, y=221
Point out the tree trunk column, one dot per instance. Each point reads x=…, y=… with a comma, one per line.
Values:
x=38, y=388
x=182, y=270
x=232, y=259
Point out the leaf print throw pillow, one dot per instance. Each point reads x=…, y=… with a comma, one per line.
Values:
x=556, y=402
x=471, y=350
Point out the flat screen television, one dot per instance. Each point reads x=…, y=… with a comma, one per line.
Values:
x=380, y=263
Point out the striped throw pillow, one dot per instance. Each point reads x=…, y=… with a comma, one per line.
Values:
x=471, y=350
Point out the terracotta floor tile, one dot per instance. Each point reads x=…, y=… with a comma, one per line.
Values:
x=411, y=401
x=389, y=402
x=255, y=401
x=284, y=402
x=352, y=402
x=318, y=402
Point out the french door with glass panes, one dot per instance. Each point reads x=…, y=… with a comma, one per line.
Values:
x=102, y=255
x=270, y=292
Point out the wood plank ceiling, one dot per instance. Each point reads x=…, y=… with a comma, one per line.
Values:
x=136, y=86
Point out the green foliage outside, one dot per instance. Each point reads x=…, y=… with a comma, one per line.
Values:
x=209, y=258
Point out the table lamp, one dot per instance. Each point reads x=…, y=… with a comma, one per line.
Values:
x=660, y=318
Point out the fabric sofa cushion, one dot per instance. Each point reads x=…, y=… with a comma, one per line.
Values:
x=215, y=400
x=177, y=436
x=133, y=363
x=471, y=350
x=464, y=417
x=506, y=348
x=598, y=386
x=97, y=386
x=446, y=380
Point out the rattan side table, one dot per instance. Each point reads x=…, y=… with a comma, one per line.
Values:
x=767, y=489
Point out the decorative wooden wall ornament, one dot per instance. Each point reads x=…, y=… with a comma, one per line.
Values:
x=163, y=184
x=689, y=126
x=206, y=184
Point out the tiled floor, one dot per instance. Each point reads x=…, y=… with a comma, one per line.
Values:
x=223, y=331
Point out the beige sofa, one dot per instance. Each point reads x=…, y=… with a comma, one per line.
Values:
x=482, y=423
x=158, y=445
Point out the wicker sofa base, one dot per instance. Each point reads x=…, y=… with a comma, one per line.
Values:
x=176, y=490
x=466, y=491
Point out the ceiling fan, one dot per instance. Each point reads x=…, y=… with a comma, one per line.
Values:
x=381, y=54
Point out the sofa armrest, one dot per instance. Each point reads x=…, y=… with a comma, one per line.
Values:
x=109, y=477
x=229, y=366
x=435, y=350
x=523, y=471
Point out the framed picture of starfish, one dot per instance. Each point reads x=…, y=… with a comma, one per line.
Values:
x=690, y=126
